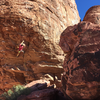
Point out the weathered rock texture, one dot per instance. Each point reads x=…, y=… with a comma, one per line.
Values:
x=43, y=92
x=81, y=79
x=40, y=90
x=39, y=23
x=93, y=15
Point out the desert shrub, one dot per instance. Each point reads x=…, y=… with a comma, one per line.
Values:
x=15, y=92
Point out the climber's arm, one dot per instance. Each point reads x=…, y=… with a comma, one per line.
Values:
x=22, y=42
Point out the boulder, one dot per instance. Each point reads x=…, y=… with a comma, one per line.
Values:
x=39, y=23
x=81, y=77
x=42, y=92
x=93, y=15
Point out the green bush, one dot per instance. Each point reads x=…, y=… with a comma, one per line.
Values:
x=15, y=92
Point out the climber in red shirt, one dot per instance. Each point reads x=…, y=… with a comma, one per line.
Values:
x=21, y=46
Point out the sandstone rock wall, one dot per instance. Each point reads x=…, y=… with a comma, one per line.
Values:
x=93, y=15
x=81, y=79
x=39, y=23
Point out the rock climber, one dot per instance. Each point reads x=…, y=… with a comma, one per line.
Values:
x=21, y=46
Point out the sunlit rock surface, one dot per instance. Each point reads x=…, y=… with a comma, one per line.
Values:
x=81, y=77
x=39, y=23
x=93, y=15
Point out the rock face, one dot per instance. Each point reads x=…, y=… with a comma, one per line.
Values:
x=93, y=15
x=81, y=79
x=39, y=23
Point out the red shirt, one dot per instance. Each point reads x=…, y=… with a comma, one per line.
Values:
x=20, y=47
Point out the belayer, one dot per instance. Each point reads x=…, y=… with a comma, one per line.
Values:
x=21, y=46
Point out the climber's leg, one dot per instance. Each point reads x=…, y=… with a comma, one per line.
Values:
x=22, y=51
x=18, y=53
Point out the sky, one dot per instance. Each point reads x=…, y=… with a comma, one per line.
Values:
x=84, y=5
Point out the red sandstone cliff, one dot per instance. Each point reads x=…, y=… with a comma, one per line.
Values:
x=93, y=15
x=39, y=23
x=81, y=43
